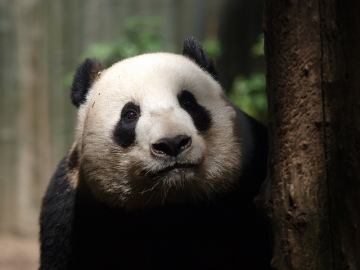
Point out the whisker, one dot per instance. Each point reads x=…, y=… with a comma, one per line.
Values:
x=152, y=194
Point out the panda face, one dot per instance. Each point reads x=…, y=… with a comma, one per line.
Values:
x=157, y=129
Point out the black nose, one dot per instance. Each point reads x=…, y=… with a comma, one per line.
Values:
x=171, y=146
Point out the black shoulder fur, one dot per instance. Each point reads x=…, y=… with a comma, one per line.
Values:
x=56, y=221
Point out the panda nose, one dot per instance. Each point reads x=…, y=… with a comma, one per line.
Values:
x=171, y=146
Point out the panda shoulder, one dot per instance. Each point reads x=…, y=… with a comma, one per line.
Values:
x=59, y=198
x=56, y=218
x=255, y=138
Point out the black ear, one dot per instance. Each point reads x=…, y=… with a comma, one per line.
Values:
x=195, y=51
x=85, y=76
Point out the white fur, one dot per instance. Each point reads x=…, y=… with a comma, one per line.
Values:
x=123, y=176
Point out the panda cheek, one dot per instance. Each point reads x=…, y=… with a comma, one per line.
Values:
x=201, y=118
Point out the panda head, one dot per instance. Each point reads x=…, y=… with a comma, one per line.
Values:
x=155, y=129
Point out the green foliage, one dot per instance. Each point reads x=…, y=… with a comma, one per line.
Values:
x=139, y=36
x=249, y=92
x=258, y=48
x=212, y=47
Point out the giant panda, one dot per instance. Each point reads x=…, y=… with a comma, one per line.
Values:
x=162, y=174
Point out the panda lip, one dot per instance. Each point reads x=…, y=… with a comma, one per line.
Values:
x=176, y=166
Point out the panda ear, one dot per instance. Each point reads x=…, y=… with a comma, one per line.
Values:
x=85, y=76
x=193, y=50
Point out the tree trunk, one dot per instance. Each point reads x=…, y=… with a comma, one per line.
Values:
x=311, y=196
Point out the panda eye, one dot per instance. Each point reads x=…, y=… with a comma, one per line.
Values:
x=187, y=100
x=188, y=104
x=131, y=115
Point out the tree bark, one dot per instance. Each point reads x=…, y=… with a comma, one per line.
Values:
x=340, y=38
x=311, y=196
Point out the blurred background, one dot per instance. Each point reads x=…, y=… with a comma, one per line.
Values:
x=41, y=44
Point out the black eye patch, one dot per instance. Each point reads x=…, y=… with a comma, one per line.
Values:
x=124, y=132
x=200, y=116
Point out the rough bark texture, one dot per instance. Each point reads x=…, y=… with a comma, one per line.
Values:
x=311, y=195
x=340, y=38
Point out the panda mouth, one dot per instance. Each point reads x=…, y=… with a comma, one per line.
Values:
x=177, y=167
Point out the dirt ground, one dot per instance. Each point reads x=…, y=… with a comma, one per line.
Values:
x=17, y=253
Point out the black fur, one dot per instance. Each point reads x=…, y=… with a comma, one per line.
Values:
x=78, y=232
x=193, y=50
x=200, y=116
x=85, y=76
x=124, y=132
x=56, y=221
